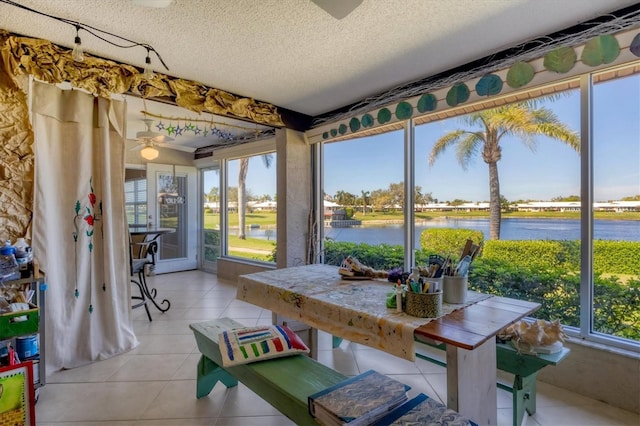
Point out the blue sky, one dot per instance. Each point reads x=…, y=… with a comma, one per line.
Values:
x=552, y=170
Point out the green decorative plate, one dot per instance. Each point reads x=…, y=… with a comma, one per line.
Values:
x=600, y=50
x=367, y=120
x=404, y=111
x=520, y=74
x=560, y=60
x=427, y=102
x=490, y=84
x=354, y=124
x=458, y=94
x=384, y=116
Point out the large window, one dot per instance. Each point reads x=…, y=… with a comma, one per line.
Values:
x=252, y=207
x=364, y=196
x=516, y=175
x=616, y=200
x=135, y=197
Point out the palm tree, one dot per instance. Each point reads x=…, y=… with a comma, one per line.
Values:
x=521, y=120
x=267, y=159
x=365, y=196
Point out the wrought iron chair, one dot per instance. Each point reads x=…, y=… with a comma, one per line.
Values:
x=142, y=255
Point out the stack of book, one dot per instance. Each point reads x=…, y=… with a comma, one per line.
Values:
x=359, y=400
x=423, y=410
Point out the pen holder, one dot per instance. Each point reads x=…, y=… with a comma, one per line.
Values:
x=454, y=289
x=424, y=305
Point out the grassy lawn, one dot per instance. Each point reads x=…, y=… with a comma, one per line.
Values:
x=252, y=243
x=253, y=256
x=212, y=221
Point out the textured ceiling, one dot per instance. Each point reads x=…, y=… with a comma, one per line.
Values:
x=295, y=55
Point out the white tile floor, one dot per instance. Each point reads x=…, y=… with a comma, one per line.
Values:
x=155, y=383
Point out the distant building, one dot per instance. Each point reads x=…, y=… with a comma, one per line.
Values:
x=565, y=206
x=536, y=206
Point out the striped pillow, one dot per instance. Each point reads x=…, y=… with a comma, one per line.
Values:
x=250, y=344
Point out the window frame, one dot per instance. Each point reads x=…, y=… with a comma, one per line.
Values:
x=585, y=83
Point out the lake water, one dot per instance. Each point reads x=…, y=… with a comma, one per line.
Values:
x=511, y=229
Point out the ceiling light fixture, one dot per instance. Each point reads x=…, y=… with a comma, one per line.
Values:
x=77, y=54
x=148, y=71
x=149, y=153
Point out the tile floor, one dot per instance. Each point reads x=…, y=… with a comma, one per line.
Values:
x=154, y=384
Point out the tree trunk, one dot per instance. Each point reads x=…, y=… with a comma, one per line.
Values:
x=242, y=177
x=495, y=213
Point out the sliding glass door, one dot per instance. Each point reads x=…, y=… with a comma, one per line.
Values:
x=171, y=203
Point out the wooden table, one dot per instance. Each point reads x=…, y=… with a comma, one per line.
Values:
x=356, y=311
x=149, y=232
x=471, y=352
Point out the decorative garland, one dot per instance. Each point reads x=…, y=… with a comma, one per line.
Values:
x=193, y=126
x=53, y=64
x=600, y=48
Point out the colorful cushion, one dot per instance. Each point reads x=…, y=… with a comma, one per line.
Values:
x=250, y=344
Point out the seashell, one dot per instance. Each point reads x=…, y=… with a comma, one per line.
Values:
x=531, y=333
x=509, y=332
x=553, y=332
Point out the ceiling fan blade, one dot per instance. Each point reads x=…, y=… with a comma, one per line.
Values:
x=154, y=136
x=176, y=147
x=138, y=147
x=338, y=8
x=163, y=139
x=153, y=3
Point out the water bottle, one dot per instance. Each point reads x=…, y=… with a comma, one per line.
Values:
x=23, y=257
x=21, y=245
x=8, y=265
x=7, y=249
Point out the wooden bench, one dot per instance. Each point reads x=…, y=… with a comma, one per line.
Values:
x=285, y=383
x=525, y=369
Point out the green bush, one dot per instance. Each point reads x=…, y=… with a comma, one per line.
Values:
x=610, y=257
x=349, y=212
x=616, y=257
x=211, y=237
x=532, y=253
x=448, y=241
x=616, y=303
x=382, y=256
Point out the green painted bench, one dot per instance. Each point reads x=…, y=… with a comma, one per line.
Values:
x=285, y=383
x=525, y=369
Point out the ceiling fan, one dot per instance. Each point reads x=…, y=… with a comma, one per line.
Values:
x=338, y=8
x=149, y=141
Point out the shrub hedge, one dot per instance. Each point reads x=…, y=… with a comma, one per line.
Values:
x=448, y=241
x=610, y=257
x=546, y=272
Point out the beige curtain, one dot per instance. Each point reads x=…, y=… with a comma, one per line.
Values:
x=79, y=225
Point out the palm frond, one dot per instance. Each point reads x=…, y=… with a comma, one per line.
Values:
x=442, y=144
x=469, y=147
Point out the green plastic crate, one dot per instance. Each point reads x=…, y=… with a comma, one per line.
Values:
x=12, y=326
